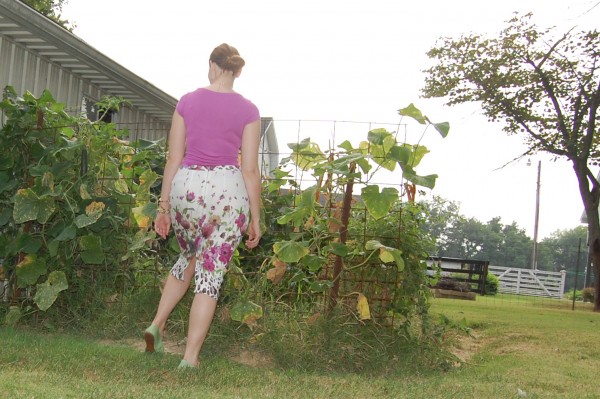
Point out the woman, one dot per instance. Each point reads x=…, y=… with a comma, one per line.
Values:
x=206, y=195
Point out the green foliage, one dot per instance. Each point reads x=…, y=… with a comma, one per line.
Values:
x=468, y=238
x=309, y=239
x=587, y=294
x=51, y=9
x=491, y=284
x=540, y=85
x=569, y=295
x=69, y=191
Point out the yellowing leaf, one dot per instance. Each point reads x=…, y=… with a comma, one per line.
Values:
x=276, y=273
x=362, y=306
x=83, y=192
x=143, y=221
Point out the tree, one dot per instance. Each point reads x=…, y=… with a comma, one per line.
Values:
x=563, y=249
x=457, y=236
x=540, y=86
x=52, y=9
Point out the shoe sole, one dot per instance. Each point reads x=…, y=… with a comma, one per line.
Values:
x=149, y=338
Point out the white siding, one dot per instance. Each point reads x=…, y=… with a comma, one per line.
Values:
x=27, y=71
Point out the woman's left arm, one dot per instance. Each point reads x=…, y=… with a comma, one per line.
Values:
x=251, y=174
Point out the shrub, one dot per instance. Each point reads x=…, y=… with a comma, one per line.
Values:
x=587, y=294
x=491, y=284
x=578, y=295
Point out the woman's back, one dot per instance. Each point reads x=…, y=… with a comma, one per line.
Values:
x=214, y=124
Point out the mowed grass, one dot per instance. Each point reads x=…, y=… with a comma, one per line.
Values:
x=510, y=349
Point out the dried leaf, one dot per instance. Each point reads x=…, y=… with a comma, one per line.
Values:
x=364, y=313
x=276, y=273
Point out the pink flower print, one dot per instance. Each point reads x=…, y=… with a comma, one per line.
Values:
x=190, y=196
x=185, y=224
x=225, y=253
x=182, y=243
x=201, y=201
x=226, y=208
x=201, y=221
x=207, y=261
x=178, y=216
x=197, y=242
x=215, y=220
x=207, y=230
x=241, y=221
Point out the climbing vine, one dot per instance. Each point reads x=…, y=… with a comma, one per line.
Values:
x=75, y=201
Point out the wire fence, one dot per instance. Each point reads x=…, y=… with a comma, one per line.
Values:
x=377, y=282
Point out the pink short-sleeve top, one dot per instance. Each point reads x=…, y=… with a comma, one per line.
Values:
x=214, y=124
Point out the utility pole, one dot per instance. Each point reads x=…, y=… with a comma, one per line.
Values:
x=534, y=255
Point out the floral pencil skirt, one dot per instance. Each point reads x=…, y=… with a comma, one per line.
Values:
x=209, y=215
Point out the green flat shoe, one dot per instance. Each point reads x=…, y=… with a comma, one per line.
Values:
x=185, y=365
x=152, y=338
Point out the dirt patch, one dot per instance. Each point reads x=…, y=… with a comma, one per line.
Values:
x=253, y=359
x=245, y=357
x=174, y=347
x=466, y=346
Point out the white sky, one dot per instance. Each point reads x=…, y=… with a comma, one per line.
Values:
x=350, y=60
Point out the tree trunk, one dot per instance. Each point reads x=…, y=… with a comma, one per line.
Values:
x=590, y=199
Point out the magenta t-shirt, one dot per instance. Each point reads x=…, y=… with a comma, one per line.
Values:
x=214, y=123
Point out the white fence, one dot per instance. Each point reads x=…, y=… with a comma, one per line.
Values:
x=529, y=282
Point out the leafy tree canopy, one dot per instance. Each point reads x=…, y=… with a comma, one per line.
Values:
x=539, y=84
x=52, y=9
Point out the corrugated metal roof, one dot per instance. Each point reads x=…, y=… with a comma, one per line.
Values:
x=41, y=36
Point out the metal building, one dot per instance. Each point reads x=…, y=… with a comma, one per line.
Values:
x=38, y=54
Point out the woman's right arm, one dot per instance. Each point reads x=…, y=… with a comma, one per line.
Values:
x=175, y=155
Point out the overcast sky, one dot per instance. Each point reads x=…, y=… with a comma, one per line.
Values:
x=349, y=60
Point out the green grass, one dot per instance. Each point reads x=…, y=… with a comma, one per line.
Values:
x=545, y=351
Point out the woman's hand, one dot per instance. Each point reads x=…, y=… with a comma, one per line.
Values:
x=162, y=224
x=253, y=234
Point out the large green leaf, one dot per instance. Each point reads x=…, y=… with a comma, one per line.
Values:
x=379, y=204
x=91, y=247
x=6, y=182
x=338, y=248
x=28, y=206
x=246, y=312
x=443, y=128
x=138, y=241
x=67, y=234
x=82, y=221
x=5, y=215
x=30, y=269
x=313, y=262
x=47, y=292
x=379, y=136
x=386, y=254
x=413, y=112
x=306, y=154
x=147, y=180
x=13, y=316
x=290, y=251
x=304, y=208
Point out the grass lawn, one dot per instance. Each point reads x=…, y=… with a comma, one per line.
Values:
x=513, y=350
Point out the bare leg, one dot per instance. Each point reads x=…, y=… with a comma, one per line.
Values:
x=201, y=315
x=172, y=293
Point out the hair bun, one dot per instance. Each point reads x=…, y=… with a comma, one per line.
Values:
x=228, y=58
x=234, y=63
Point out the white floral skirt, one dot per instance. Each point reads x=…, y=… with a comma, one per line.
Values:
x=209, y=215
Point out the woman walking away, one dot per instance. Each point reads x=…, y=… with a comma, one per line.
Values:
x=207, y=196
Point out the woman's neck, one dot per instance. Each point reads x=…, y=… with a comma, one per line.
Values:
x=222, y=84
